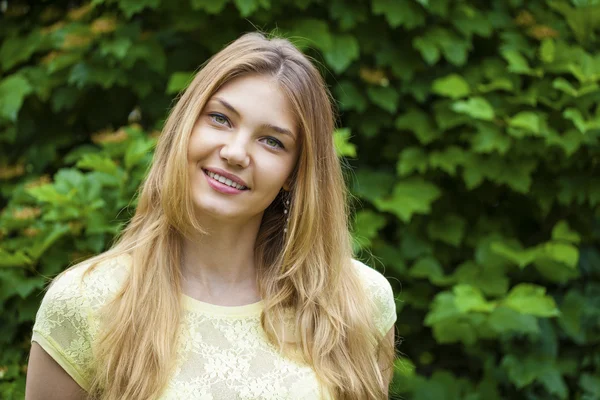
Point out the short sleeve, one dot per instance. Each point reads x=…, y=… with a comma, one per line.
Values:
x=382, y=296
x=62, y=326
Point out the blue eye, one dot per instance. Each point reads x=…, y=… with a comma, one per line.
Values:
x=219, y=119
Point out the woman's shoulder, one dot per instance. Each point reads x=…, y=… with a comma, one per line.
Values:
x=95, y=279
x=65, y=323
x=370, y=276
x=381, y=294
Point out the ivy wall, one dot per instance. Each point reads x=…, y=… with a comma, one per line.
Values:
x=472, y=132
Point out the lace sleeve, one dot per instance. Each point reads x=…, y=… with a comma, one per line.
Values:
x=382, y=296
x=62, y=326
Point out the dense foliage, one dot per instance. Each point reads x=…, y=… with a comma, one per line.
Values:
x=472, y=129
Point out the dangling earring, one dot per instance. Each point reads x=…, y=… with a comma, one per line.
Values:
x=286, y=214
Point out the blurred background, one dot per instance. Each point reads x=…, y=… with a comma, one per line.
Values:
x=471, y=134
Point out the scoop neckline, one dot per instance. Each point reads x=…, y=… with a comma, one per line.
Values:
x=214, y=309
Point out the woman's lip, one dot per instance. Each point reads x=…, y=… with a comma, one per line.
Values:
x=227, y=175
x=221, y=187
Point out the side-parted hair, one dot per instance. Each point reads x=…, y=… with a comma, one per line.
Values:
x=307, y=271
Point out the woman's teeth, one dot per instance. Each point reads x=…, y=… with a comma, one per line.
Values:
x=225, y=181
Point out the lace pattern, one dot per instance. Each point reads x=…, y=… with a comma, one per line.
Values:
x=223, y=352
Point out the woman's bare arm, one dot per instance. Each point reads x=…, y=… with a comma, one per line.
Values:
x=47, y=380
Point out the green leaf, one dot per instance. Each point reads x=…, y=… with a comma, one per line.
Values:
x=562, y=252
x=131, y=7
x=554, y=383
x=572, y=315
x=13, y=90
x=518, y=64
x=372, y=184
x=472, y=22
x=349, y=97
x=385, y=97
x=475, y=107
x=428, y=268
x=490, y=138
x=178, y=81
x=246, y=7
x=438, y=41
x=453, y=86
x=450, y=229
x=490, y=279
x=514, y=252
x=343, y=147
x=16, y=259
x=348, y=15
x=399, y=13
x=118, y=47
x=496, y=84
x=452, y=331
x=450, y=324
x=48, y=193
x=468, y=298
x=547, y=50
x=565, y=86
x=63, y=61
x=136, y=151
x=367, y=224
x=591, y=385
x=562, y=231
x=344, y=50
x=531, y=299
x=419, y=122
x=428, y=49
x=526, y=120
x=443, y=308
x=46, y=240
x=210, y=6
x=437, y=7
x=505, y=320
x=555, y=271
x=412, y=159
x=582, y=19
x=522, y=371
x=15, y=49
x=97, y=162
x=310, y=32
x=580, y=123
x=97, y=223
x=570, y=141
x=447, y=160
x=410, y=196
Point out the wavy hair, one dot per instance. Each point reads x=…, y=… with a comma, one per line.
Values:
x=307, y=271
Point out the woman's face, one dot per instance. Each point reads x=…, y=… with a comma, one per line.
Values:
x=243, y=149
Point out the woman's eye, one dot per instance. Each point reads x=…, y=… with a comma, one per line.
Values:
x=272, y=142
x=219, y=119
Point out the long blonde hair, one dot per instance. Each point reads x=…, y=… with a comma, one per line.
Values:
x=307, y=271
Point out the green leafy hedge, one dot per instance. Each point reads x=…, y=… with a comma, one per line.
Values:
x=472, y=128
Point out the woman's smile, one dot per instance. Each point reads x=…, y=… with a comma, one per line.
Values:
x=224, y=183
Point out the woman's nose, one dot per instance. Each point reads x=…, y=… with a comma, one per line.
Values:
x=235, y=151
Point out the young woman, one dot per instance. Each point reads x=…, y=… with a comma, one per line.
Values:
x=235, y=278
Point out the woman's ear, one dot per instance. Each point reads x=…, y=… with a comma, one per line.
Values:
x=287, y=185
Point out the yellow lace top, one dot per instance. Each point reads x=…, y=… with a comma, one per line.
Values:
x=223, y=352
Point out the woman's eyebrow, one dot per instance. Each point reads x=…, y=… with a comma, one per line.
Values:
x=278, y=129
x=227, y=106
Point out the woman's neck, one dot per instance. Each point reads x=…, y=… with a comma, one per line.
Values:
x=218, y=267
